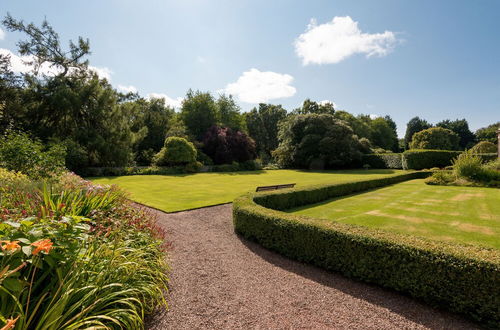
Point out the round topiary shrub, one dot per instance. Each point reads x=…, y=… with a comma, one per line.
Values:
x=436, y=138
x=484, y=147
x=177, y=151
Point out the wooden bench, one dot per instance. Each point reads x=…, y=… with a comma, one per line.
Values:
x=276, y=187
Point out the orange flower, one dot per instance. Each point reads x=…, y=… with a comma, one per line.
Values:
x=42, y=245
x=10, y=245
x=11, y=323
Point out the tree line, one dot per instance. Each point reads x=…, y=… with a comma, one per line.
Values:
x=99, y=126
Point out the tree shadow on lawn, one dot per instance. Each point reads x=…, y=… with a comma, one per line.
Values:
x=392, y=300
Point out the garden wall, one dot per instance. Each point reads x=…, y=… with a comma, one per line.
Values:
x=464, y=279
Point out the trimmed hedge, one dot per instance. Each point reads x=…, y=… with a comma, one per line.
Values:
x=389, y=160
x=420, y=159
x=417, y=159
x=461, y=278
x=250, y=165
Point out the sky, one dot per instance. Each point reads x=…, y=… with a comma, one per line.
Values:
x=433, y=59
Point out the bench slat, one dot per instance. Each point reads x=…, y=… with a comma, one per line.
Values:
x=275, y=187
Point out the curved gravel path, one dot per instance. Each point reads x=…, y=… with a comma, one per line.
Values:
x=221, y=281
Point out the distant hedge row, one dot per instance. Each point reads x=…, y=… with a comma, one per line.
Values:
x=251, y=165
x=417, y=159
x=461, y=278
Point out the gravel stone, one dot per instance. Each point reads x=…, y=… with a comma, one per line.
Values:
x=222, y=281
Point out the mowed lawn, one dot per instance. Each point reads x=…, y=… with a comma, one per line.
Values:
x=186, y=191
x=459, y=214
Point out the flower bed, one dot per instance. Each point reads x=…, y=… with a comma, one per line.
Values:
x=74, y=254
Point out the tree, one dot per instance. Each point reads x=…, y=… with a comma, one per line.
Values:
x=415, y=125
x=309, y=106
x=73, y=107
x=199, y=113
x=224, y=145
x=312, y=138
x=151, y=120
x=176, y=151
x=262, y=126
x=43, y=47
x=488, y=133
x=383, y=134
x=229, y=113
x=437, y=138
x=360, y=125
x=461, y=128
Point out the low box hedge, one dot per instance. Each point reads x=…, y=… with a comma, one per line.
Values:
x=461, y=278
x=394, y=161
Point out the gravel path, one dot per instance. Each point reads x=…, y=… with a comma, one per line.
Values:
x=221, y=281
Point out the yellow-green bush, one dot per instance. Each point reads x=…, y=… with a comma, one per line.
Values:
x=464, y=279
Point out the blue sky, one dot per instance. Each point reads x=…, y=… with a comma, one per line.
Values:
x=435, y=59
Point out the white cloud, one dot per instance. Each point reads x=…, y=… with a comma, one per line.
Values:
x=374, y=116
x=201, y=59
x=103, y=73
x=2, y=34
x=175, y=103
x=256, y=86
x=127, y=89
x=19, y=65
x=335, y=41
x=328, y=101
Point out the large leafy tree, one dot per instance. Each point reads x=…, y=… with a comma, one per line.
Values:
x=199, y=113
x=262, y=126
x=224, y=145
x=309, y=106
x=73, y=104
x=383, y=134
x=461, y=128
x=151, y=119
x=415, y=125
x=316, y=138
x=360, y=125
x=229, y=113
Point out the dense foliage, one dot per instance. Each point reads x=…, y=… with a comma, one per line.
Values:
x=306, y=140
x=484, y=147
x=415, y=125
x=20, y=153
x=489, y=133
x=226, y=146
x=176, y=151
x=419, y=267
x=262, y=126
x=461, y=128
x=76, y=255
x=435, y=138
x=469, y=169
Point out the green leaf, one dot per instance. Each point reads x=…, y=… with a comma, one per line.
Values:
x=12, y=284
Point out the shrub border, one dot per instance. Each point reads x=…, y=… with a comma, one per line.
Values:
x=461, y=278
